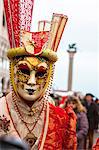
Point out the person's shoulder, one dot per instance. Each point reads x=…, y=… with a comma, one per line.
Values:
x=94, y=105
x=82, y=114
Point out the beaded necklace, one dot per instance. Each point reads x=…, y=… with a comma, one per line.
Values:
x=33, y=113
x=30, y=137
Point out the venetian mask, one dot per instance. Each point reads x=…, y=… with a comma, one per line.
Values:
x=31, y=77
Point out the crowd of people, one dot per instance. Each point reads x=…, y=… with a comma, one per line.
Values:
x=87, y=112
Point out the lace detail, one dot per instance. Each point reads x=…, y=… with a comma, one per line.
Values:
x=18, y=16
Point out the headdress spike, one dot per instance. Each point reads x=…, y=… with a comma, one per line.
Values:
x=56, y=30
x=55, y=27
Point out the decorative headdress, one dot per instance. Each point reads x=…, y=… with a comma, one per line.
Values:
x=22, y=41
x=43, y=43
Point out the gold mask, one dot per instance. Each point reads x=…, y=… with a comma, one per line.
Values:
x=30, y=77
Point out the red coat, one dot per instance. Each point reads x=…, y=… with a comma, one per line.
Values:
x=61, y=133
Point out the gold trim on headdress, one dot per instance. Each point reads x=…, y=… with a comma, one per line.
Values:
x=20, y=51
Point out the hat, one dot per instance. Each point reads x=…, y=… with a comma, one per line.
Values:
x=89, y=94
x=33, y=47
x=26, y=43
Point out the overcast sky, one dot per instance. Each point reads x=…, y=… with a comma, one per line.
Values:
x=82, y=28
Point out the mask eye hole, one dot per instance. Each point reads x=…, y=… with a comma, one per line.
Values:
x=41, y=72
x=24, y=69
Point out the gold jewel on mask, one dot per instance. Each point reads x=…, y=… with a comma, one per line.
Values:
x=36, y=61
x=33, y=61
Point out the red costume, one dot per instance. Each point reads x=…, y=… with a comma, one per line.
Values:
x=96, y=146
x=60, y=127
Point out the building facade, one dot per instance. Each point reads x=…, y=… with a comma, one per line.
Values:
x=4, y=45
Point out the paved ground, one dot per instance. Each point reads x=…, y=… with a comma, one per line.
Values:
x=96, y=135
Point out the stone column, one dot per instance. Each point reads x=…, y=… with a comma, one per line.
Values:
x=70, y=69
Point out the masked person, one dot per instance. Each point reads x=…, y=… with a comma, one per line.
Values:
x=25, y=112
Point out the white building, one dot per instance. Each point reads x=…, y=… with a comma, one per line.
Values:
x=4, y=45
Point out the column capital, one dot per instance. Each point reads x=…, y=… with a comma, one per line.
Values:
x=71, y=53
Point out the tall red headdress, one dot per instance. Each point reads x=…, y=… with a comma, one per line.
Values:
x=19, y=16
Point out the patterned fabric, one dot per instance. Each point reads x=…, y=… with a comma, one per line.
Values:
x=61, y=133
x=26, y=8
x=18, y=16
x=96, y=146
x=70, y=142
x=40, y=39
x=35, y=41
x=11, y=10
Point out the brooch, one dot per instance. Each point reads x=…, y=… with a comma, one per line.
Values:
x=30, y=139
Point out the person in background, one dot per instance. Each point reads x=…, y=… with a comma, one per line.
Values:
x=97, y=103
x=92, y=115
x=82, y=121
x=56, y=98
